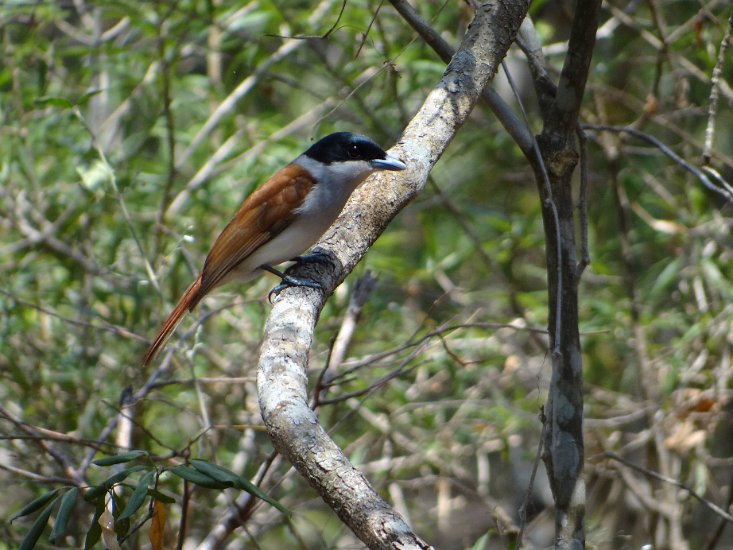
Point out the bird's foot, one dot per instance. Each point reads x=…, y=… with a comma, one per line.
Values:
x=318, y=256
x=288, y=281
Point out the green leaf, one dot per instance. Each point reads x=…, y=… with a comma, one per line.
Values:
x=223, y=475
x=68, y=502
x=88, y=95
x=666, y=278
x=95, y=492
x=162, y=497
x=95, y=530
x=54, y=101
x=214, y=471
x=119, y=459
x=712, y=274
x=107, y=484
x=196, y=477
x=34, y=505
x=31, y=538
x=138, y=496
x=482, y=543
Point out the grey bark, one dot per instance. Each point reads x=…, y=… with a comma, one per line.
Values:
x=282, y=378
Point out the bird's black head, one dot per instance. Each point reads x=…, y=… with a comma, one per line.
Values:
x=346, y=146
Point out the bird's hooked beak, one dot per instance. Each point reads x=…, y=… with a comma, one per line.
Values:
x=388, y=163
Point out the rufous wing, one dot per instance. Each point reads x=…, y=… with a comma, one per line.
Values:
x=260, y=218
x=263, y=215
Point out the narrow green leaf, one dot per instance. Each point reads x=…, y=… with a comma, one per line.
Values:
x=712, y=274
x=87, y=96
x=37, y=528
x=666, y=278
x=196, y=477
x=68, y=502
x=482, y=543
x=95, y=530
x=138, y=496
x=223, y=475
x=93, y=493
x=54, y=101
x=106, y=485
x=34, y=505
x=119, y=459
x=214, y=471
x=252, y=489
x=162, y=497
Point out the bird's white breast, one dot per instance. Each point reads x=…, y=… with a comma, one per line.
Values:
x=320, y=208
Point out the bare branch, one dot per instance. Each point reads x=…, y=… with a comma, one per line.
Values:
x=666, y=479
x=563, y=434
x=724, y=190
x=715, y=93
x=362, y=289
x=563, y=117
x=293, y=426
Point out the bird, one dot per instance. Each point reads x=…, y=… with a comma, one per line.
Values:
x=282, y=219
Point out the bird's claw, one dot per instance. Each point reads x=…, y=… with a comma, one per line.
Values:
x=288, y=281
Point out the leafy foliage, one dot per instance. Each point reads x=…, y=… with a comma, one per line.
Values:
x=111, y=508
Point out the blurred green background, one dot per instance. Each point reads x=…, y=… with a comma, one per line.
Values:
x=131, y=131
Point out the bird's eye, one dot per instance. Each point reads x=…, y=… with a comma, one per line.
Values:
x=353, y=152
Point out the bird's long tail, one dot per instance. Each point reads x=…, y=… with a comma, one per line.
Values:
x=187, y=302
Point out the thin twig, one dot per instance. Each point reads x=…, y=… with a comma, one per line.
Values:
x=373, y=358
x=724, y=192
x=530, y=484
x=583, y=205
x=359, y=296
x=713, y=173
x=120, y=200
x=315, y=36
x=549, y=203
x=216, y=162
x=245, y=87
x=365, y=35
x=39, y=478
x=107, y=326
x=169, y=123
x=504, y=114
x=713, y=542
x=45, y=433
x=715, y=94
x=656, y=475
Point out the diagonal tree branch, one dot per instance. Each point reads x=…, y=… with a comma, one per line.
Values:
x=282, y=378
x=504, y=114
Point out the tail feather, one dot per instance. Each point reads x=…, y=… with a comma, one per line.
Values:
x=186, y=303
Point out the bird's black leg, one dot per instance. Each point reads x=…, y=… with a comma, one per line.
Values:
x=316, y=256
x=287, y=280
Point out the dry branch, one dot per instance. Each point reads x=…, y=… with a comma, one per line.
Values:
x=282, y=378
